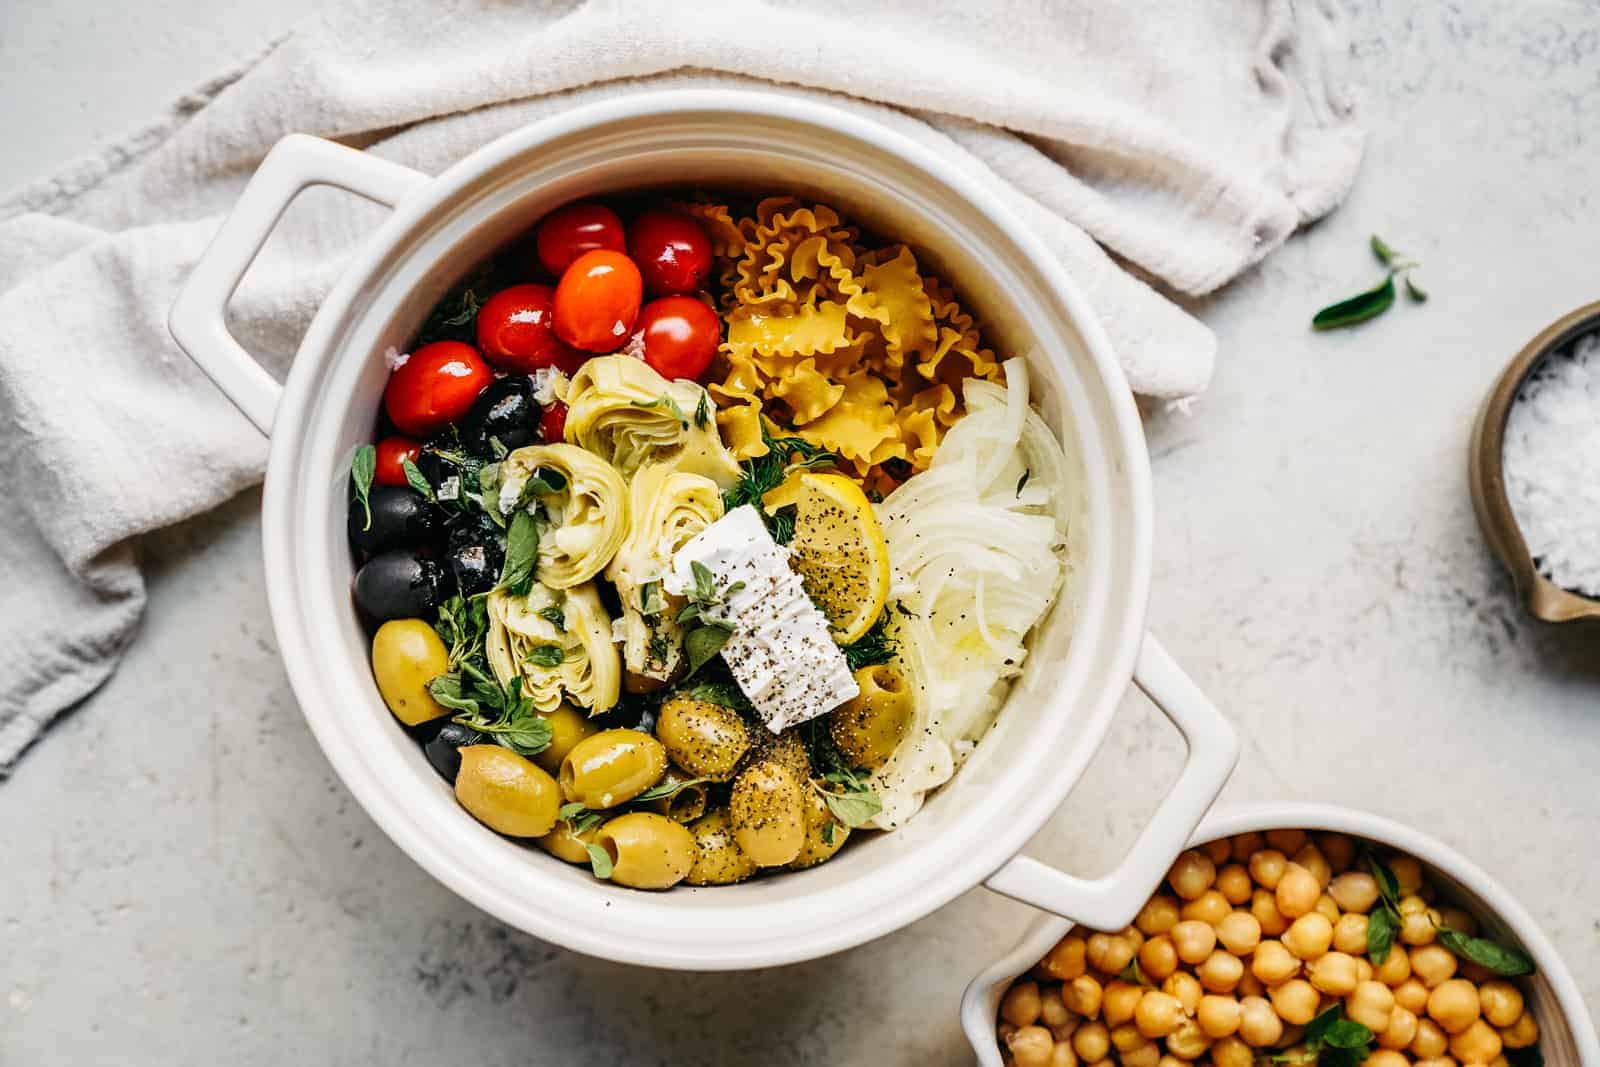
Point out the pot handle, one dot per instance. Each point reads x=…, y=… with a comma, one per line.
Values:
x=197, y=320
x=1111, y=902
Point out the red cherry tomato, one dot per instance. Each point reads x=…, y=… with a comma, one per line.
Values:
x=597, y=301
x=514, y=330
x=681, y=335
x=672, y=251
x=568, y=232
x=391, y=451
x=435, y=387
x=553, y=423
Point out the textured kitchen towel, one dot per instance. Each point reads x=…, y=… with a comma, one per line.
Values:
x=1186, y=140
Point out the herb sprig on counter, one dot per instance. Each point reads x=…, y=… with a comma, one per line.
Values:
x=1378, y=299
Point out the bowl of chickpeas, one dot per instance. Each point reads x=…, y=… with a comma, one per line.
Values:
x=1292, y=934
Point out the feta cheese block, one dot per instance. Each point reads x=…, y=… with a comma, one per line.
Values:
x=781, y=653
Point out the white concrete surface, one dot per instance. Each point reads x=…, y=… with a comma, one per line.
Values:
x=182, y=880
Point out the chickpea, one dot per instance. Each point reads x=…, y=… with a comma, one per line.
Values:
x=1110, y=952
x=1194, y=940
x=1157, y=957
x=1159, y=914
x=1433, y=964
x=1400, y=1032
x=1408, y=873
x=1246, y=845
x=1192, y=874
x=1522, y=1033
x=1295, y=1002
x=1233, y=882
x=1239, y=932
x=1091, y=1042
x=1334, y=974
x=1355, y=891
x=1004, y=1031
x=1340, y=850
x=1311, y=858
x=1297, y=892
x=1454, y=1005
x=1264, y=906
x=1221, y=972
x=1267, y=867
x=1327, y=908
x=1250, y=986
x=1145, y=1055
x=1031, y=1046
x=1384, y=1058
x=1053, y=1011
x=1066, y=960
x=1209, y=907
x=1158, y=1014
x=1082, y=996
x=1442, y=1061
x=1309, y=936
x=1218, y=851
x=1363, y=969
x=1126, y=1038
x=1063, y=1056
x=1286, y=841
x=1188, y=1041
x=1478, y=1043
x=1021, y=1005
x=1501, y=1002
x=1456, y=919
x=1370, y=1004
x=1350, y=934
x=1259, y=1025
x=1232, y=1052
x=1184, y=986
x=1411, y=995
x=1133, y=935
x=1396, y=967
x=1430, y=1042
x=1272, y=963
x=1170, y=1060
x=1218, y=1016
x=1118, y=1002
x=1418, y=928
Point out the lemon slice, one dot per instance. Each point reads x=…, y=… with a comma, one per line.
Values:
x=838, y=547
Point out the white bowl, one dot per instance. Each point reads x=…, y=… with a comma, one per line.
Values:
x=1566, y=1033
x=1084, y=654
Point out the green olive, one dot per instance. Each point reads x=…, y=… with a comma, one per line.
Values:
x=789, y=750
x=648, y=851
x=612, y=767
x=563, y=844
x=568, y=726
x=821, y=842
x=718, y=858
x=406, y=655
x=870, y=727
x=506, y=792
x=687, y=804
x=767, y=808
x=705, y=739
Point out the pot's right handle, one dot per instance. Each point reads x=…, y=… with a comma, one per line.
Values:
x=197, y=320
x=1111, y=902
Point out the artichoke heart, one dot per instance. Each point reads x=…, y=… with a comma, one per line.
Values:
x=558, y=642
x=619, y=408
x=587, y=511
x=666, y=508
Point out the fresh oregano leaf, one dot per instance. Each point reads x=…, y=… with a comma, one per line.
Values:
x=546, y=656
x=415, y=479
x=1380, y=249
x=725, y=694
x=1381, y=930
x=704, y=642
x=1358, y=308
x=363, y=465
x=553, y=614
x=1413, y=290
x=854, y=808
x=651, y=600
x=599, y=861
x=667, y=789
x=522, y=551
x=1501, y=959
x=446, y=689
x=570, y=811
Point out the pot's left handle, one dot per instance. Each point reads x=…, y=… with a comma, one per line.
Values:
x=197, y=319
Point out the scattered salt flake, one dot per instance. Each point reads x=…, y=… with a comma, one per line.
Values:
x=394, y=359
x=450, y=488
x=634, y=347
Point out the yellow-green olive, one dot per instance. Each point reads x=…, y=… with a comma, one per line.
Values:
x=789, y=750
x=718, y=858
x=824, y=834
x=705, y=739
x=406, y=655
x=506, y=792
x=612, y=767
x=648, y=851
x=767, y=808
x=563, y=844
x=568, y=726
x=687, y=804
x=870, y=727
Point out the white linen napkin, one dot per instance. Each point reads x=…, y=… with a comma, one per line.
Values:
x=1185, y=141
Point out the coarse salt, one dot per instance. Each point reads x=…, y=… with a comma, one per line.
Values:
x=1551, y=458
x=394, y=359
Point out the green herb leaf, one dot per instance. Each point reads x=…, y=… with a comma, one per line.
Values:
x=1134, y=975
x=871, y=648
x=1501, y=959
x=702, y=411
x=553, y=614
x=1358, y=308
x=854, y=808
x=546, y=656
x=827, y=832
x=724, y=694
x=1388, y=884
x=780, y=523
x=1381, y=929
x=705, y=586
x=542, y=482
x=1413, y=290
x=363, y=465
x=667, y=789
x=416, y=481
x=570, y=811
x=599, y=861
x=703, y=642
x=651, y=600
x=446, y=689
x=1380, y=249
x=526, y=735
x=522, y=552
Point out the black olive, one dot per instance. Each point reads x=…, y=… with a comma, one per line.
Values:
x=443, y=749
x=401, y=518
x=475, y=556
x=505, y=410
x=400, y=585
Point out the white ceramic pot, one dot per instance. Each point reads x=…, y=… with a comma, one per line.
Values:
x=1566, y=1033
x=1084, y=656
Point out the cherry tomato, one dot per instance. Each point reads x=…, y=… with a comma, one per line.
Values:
x=514, y=330
x=553, y=423
x=391, y=450
x=568, y=232
x=681, y=335
x=672, y=251
x=435, y=387
x=597, y=301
